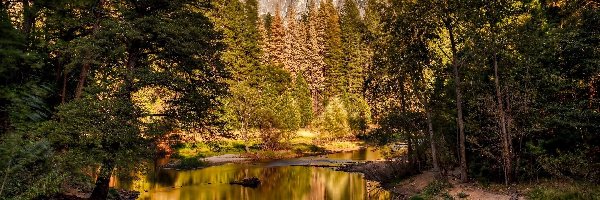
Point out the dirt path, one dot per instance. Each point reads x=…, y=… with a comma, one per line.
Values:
x=414, y=185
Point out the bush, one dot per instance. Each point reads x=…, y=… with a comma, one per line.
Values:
x=359, y=112
x=334, y=120
x=191, y=163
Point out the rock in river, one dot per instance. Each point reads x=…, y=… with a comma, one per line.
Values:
x=247, y=182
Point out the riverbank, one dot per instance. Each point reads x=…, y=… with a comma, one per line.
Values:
x=200, y=154
x=405, y=184
x=198, y=162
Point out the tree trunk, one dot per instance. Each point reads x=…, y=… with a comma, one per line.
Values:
x=100, y=191
x=82, y=77
x=410, y=151
x=434, y=159
x=246, y=137
x=133, y=56
x=86, y=66
x=459, y=119
x=506, y=149
x=593, y=90
x=63, y=93
x=29, y=15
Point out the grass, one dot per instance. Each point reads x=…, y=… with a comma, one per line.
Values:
x=191, y=163
x=564, y=190
x=304, y=148
x=207, y=149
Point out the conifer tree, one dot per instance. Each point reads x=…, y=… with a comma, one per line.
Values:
x=293, y=38
x=354, y=51
x=335, y=81
x=277, y=40
x=240, y=36
x=303, y=99
x=263, y=40
x=314, y=70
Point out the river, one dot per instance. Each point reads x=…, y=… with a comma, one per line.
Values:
x=281, y=179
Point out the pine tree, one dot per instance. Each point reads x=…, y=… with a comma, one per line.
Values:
x=241, y=36
x=314, y=71
x=354, y=51
x=251, y=33
x=277, y=40
x=335, y=81
x=263, y=40
x=293, y=38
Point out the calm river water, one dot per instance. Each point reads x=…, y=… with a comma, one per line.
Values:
x=281, y=179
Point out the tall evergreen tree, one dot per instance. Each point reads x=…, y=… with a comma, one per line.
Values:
x=335, y=81
x=315, y=72
x=293, y=39
x=277, y=40
x=354, y=49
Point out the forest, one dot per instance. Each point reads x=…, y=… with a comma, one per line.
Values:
x=100, y=99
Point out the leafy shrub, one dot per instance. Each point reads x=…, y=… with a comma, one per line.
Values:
x=359, y=112
x=334, y=120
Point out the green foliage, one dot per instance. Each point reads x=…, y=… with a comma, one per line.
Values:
x=359, y=112
x=303, y=100
x=334, y=120
x=30, y=168
x=190, y=163
x=277, y=116
x=538, y=60
x=238, y=21
x=335, y=83
x=169, y=45
x=563, y=193
x=355, y=54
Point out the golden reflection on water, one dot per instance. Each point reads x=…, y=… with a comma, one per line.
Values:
x=285, y=182
x=277, y=183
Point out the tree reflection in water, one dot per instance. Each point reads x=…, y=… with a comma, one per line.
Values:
x=284, y=182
